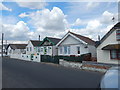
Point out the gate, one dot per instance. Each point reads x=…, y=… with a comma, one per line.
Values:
x=47, y=58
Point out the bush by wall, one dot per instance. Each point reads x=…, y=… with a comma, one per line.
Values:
x=55, y=59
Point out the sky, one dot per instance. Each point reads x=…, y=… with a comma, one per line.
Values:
x=23, y=21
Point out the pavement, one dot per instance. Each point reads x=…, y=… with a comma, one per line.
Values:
x=26, y=74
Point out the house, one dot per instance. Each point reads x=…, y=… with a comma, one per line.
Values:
x=76, y=45
x=15, y=50
x=108, y=51
x=48, y=46
x=33, y=47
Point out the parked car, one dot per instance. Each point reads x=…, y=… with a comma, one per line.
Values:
x=111, y=79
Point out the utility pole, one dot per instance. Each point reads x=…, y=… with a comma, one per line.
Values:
x=2, y=44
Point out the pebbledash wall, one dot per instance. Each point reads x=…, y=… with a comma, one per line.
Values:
x=103, y=56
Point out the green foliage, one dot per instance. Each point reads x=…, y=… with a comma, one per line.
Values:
x=55, y=59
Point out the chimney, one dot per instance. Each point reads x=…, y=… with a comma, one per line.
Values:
x=98, y=37
x=39, y=37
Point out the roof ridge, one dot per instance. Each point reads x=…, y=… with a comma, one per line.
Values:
x=81, y=36
x=53, y=37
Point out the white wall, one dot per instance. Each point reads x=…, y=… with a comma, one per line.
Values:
x=70, y=40
x=17, y=56
x=73, y=43
x=104, y=55
x=50, y=51
x=73, y=50
x=32, y=48
x=92, y=50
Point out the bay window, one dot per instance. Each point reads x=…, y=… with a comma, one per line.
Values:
x=115, y=54
x=118, y=35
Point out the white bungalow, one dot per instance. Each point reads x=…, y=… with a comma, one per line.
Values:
x=48, y=46
x=108, y=51
x=75, y=44
x=33, y=47
x=15, y=50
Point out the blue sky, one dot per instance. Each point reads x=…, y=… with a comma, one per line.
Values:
x=56, y=18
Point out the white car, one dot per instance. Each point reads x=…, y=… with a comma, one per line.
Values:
x=111, y=79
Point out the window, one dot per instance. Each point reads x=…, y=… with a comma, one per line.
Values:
x=65, y=49
x=118, y=35
x=78, y=50
x=45, y=50
x=30, y=49
x=38, y=49
x=115, y=54
x=41, y=50
x=48, y=49
x=60, y=50
x=68, y=49
x=27, y=49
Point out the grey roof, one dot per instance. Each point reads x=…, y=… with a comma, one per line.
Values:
x=18, y=46
x=36, y=43
x=54, y=40
x=117, y=26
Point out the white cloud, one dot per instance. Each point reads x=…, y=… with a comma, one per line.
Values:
x=47, y=21
x=93, y=24
x=106, y=17
x=32, y=5
x=22, y=15
x=9, y=19
x=54, y=23
x=92, y=5
x=19, y=31
x=3, y=7
x=77, y=22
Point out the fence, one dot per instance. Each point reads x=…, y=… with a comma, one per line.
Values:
x=55, y=59
x=52, y=59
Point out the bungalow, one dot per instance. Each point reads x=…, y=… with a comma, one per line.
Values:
x=48, y=46
x=15, y=50
x=108, y=51
x=75, y=44
x=33, y=47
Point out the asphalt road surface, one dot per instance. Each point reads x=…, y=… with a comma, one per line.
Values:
x=24, y=74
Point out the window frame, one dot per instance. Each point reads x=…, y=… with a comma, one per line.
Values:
x=118, y=35
x=78, y=50
x=117, y=54
x=61, y=50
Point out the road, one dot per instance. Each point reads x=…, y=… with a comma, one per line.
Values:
x=24, y=74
